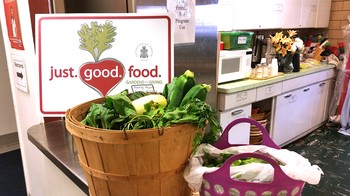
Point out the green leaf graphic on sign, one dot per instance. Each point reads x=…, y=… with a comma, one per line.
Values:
x=97, y=38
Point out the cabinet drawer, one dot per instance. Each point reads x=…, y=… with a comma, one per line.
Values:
x=240, y=133
x=302, y=81
x=229, y=101
x=330, y=73
x=268, y=91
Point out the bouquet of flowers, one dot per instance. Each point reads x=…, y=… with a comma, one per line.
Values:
x=285, y=44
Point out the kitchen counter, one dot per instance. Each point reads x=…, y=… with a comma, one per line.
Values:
x=246, y=84
x=55, y=142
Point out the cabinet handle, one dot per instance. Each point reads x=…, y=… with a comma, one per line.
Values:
x=234, y=113
x=322, y=84
x=307, y=89
x=287, y=96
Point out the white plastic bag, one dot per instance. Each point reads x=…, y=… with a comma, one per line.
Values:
x=294, y=165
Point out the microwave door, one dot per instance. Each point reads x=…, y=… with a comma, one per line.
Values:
x=230, y=69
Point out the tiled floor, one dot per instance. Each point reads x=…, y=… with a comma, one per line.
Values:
x=329, y=150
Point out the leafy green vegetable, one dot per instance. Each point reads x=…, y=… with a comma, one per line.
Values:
x=210, y=160
x=215, y=161
x=136, y=95
x=121, y=104
x=247, y=161
x=97, y=38
x=99, y=116
x=118, y=113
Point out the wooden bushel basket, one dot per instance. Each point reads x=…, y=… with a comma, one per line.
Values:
x=134, y=162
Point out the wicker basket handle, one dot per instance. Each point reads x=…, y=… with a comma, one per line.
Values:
x=224, y=171
x=223, y=140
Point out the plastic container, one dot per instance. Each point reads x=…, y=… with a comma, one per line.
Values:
x=274, y=67
x=236, y=40
x=219, y=182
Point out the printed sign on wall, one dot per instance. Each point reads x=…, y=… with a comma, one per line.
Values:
x=13, y=25
x=19, y=68
x=83, y=57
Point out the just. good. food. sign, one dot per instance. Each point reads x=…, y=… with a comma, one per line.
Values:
x=84, y=57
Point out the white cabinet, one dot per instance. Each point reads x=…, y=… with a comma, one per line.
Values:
x=323, y=13
x=223, y=15
x=292, y=14
x=320, y=99
x=240, y=133
x=292, y=115
x=257, y=14
x=243, y=17
x=272, y=13
x=298, y=105
x=308, y=13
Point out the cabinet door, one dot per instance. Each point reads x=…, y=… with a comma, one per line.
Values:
x=292, y=14
x=257, y=14
x=292, y=115
x=272, y=14
x=240, y=133
x=323, y=13
x=308, y=13
x=246, y=14
x=320, y=99
x=224, y=14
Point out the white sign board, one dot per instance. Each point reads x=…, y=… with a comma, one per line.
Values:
x=83, y=57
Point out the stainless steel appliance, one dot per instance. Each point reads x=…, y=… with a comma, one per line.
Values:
x=200, y=56
x=234, y=65
x=257, y=49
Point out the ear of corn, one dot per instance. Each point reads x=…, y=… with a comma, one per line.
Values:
x=198, y=91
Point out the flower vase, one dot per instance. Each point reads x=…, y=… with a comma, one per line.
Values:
x=296, y=62
x=286, y=63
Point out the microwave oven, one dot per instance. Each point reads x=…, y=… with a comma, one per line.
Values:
x=234, y=65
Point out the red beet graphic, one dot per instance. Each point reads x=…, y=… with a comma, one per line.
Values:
x=103, y=75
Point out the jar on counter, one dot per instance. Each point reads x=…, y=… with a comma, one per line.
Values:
x=258, y=71
x=252, y=72
x=265, y=70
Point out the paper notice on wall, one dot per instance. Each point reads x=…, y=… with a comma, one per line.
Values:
x=183, y=12
x=20, y=73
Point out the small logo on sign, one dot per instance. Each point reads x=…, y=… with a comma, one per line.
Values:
x=144, y=52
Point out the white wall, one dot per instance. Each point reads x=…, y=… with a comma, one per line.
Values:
x=7, y=114
x=42, y=176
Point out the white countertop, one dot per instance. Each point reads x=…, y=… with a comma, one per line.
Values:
x=246, y=84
